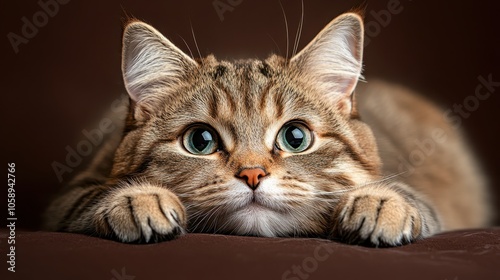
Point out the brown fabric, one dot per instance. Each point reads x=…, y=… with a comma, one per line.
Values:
x=472, y=254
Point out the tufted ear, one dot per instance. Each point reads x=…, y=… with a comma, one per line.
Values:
x=151, y=65
x=333, y=60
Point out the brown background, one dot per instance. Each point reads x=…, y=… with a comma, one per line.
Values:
x=61, y=81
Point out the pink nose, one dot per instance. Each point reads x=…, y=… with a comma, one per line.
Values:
x=252, y=176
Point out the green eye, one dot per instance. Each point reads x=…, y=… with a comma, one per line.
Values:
x=294, y=137
x=200, y=140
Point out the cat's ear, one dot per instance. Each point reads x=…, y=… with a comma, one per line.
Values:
x=333, y=60
x=151, y=64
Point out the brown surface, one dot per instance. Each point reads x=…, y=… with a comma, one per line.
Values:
x=461, y=255
x=65, y=76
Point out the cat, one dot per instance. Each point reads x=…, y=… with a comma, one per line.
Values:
x=281, y=147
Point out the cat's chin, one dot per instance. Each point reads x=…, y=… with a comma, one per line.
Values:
x=255, y=219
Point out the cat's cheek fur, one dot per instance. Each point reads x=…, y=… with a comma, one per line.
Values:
x=141, y=212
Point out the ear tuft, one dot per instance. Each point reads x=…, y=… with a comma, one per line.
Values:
x=333, y=59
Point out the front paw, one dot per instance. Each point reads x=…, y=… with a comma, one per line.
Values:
x=377, y=216
x=143, y=213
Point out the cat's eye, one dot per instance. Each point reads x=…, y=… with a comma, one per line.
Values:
x=200, y=140
x=294, y=137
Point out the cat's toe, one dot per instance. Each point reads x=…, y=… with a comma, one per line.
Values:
x=394, y=224
x=149, y=216
x=155, y=215
x=376, y=220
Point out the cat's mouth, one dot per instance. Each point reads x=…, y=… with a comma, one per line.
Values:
x=256, y=206
x=257, y=202
x=253, y=202
x=261, y=199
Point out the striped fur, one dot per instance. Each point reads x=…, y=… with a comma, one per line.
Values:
x=147, y=187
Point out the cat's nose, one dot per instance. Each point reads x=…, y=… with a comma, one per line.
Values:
x=252, y=176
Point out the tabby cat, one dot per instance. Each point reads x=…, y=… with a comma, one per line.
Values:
x=276, y=147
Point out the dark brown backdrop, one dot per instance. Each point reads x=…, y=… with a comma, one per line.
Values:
x=63, y=78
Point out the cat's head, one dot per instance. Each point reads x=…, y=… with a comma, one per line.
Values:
x=254, y=147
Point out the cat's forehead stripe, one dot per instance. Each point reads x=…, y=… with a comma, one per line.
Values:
x=265, y=70
x=247, y=67
x=219, y=71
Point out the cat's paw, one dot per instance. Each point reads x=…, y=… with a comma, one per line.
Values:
x=377, y=217
x=143, y=213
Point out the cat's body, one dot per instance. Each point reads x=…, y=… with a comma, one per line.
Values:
x=271, y=148
x=416, y=141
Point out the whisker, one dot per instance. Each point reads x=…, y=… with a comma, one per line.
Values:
x=223, y=226
x=190, y=52
x=217, y=209
x=214, y=223
x=194, y=38
x=302, y=185
x=315, y=198
x=299, y=30
x=205, y=198
x=274, y=41
x=207, y=217
x=286, y=28
x=198, y=218
x=332, y=192
x=386, y=178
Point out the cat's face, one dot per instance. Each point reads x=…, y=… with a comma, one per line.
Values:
x=250, y=147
